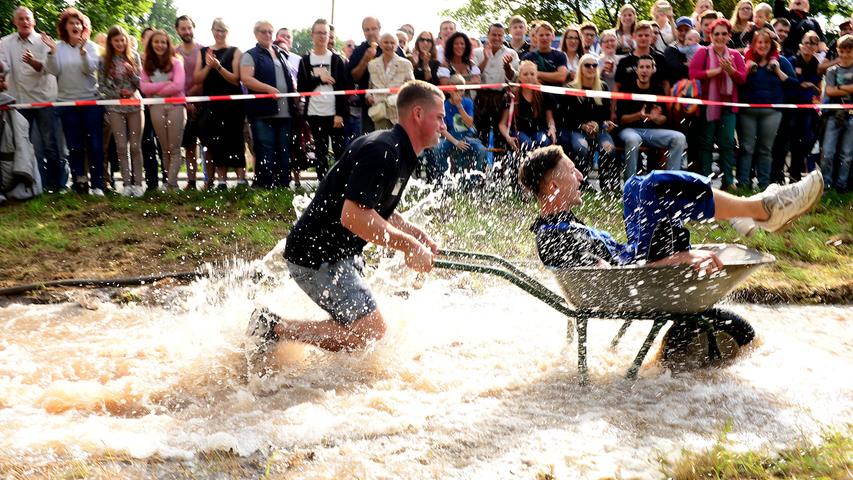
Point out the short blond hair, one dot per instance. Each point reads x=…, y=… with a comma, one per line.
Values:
x=261, y=23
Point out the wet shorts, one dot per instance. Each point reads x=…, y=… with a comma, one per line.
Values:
x=338, y=288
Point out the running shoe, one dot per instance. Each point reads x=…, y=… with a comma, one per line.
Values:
x=791, y=201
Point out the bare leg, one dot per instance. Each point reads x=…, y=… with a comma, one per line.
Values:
x=331, y=335
x=729, y=206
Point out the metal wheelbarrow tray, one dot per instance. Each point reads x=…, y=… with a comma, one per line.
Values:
x=673, y=293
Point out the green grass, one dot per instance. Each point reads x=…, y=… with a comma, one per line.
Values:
x=831, y=458
x=180, y=230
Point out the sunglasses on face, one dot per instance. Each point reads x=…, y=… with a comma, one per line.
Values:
x=423, y=39
x=590, y=65
x=811, y=43
x=721, y=34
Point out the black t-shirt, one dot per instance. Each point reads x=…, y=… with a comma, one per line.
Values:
x=548, y=62
x=524, y=119
x=625, y=107
x=625, y=71
x=374, y=172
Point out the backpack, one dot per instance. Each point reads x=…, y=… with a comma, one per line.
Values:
x=685, y=88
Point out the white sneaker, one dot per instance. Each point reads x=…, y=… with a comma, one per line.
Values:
x=96, y=192
x=789, y=202
x=745, y=226
x=127, y=191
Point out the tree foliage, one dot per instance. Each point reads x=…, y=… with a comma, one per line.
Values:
x=103, y=13
x=162, y=17
x=302, y=42
x=478, y=14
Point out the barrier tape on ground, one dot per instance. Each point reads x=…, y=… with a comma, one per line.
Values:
x=492, y=86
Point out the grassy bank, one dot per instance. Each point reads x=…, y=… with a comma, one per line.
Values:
x=830, y=458
x=69, y=236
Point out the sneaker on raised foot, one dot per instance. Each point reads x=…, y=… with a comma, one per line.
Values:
x=262, y=334
x=96, y=192
x=789, y=202
x=745, y=226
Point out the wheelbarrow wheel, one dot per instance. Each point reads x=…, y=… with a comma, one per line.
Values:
x=687, y=346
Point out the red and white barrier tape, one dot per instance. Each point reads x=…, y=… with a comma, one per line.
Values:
x=492, y=86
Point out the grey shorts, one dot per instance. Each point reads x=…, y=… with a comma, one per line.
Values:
x=338, y=288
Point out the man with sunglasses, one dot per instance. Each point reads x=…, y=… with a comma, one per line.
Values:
x=498, y=64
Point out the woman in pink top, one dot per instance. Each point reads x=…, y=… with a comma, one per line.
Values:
x=163, y=76
x=721, y=71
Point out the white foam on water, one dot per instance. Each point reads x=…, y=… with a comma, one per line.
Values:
x=473, y=380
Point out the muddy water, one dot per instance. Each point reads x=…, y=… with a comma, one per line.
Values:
x=474, y=380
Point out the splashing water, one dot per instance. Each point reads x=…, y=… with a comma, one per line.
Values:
x=473, y=379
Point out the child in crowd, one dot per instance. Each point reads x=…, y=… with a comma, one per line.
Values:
x=656, y=207
x=691, y=44
x=760, y=19
x=460, y=149
x=839, y=89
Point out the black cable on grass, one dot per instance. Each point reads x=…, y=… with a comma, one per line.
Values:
x=89, y=282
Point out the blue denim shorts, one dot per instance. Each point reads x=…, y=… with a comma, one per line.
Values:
x=338, y=288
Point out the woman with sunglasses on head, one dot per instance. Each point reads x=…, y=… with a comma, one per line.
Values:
x=425, y=58
x=741, y=21
x=573, y=48
x=457, y=59
x=585, y=127
x=721, y=71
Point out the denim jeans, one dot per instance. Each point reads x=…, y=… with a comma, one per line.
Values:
x=633, y=138
x=150, y=154
x=472, y=159
x=758, y=128
x=272, y=152
x=721, y=132
x=528, y=142
x=84, y=133
x=45, y=128
x=835, y=129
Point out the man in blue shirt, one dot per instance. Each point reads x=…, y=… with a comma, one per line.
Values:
x=655, y=209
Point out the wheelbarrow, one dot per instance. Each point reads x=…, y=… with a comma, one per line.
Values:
x=671, y=293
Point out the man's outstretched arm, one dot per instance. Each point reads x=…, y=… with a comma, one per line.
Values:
x=370, y=226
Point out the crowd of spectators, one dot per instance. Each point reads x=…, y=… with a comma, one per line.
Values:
x=761, y=54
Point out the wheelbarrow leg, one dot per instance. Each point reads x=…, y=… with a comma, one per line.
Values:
x=582, y=370
x=570, y=330
x=638, y=361
x=620, y=334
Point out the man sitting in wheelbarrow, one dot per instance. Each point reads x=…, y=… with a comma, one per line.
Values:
x=655, y=209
